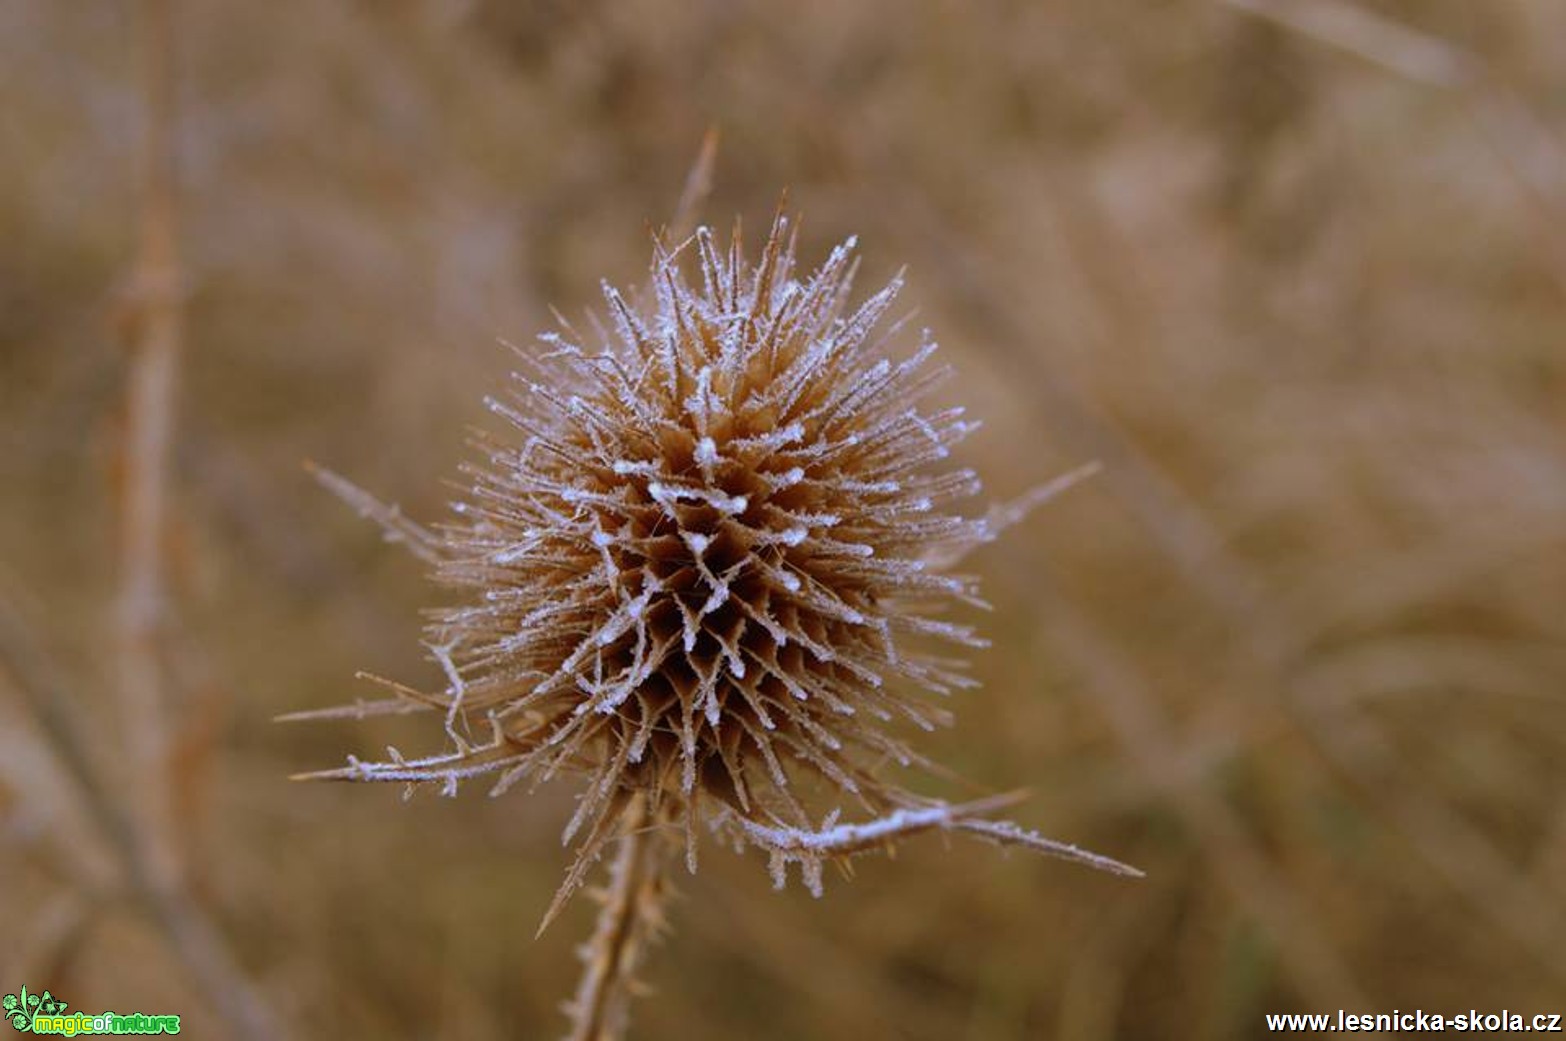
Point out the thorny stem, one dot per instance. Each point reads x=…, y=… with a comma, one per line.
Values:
x=141, y=614
x=632, y=913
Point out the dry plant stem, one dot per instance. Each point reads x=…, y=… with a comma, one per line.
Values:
x=187, y=929
x=141, y=611
x=632, y=913
x=698, y=185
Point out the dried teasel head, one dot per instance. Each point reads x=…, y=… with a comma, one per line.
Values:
x=709, y=570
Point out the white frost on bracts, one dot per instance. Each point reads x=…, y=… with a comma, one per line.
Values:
x=811, y=849
x=709, y=561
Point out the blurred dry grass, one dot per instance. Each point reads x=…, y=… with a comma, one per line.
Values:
x=1299, y=653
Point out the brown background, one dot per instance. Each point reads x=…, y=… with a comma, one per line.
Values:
x=1298, y=652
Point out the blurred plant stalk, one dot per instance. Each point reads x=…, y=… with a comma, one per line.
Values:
x=154, y=335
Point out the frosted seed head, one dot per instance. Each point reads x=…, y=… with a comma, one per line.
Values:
x=726, y=626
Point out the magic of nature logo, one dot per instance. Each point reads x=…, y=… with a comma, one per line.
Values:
x=43, y=1013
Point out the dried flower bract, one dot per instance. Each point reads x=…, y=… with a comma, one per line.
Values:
x=710, y=569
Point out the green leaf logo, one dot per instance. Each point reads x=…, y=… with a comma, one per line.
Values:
x=21, y=1009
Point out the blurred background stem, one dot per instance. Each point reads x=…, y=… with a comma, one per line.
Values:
x=154, y=335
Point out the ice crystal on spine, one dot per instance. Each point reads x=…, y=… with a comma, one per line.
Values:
x=709, y=565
